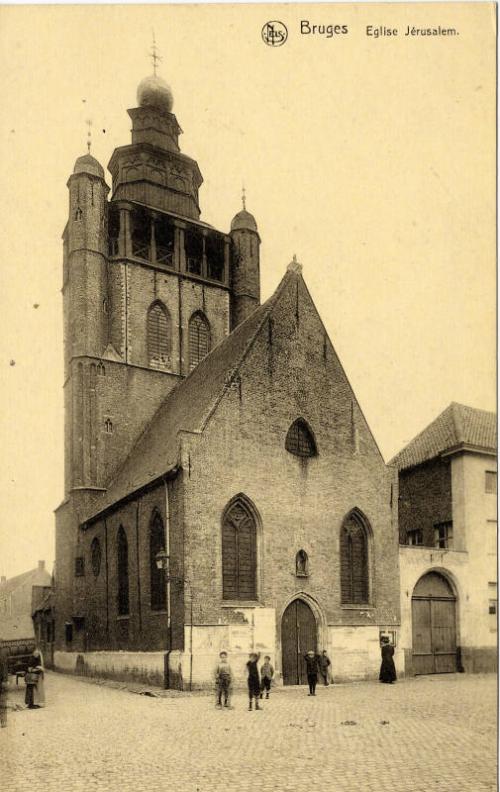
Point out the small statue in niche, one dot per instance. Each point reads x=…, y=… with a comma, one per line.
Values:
x=301, y=564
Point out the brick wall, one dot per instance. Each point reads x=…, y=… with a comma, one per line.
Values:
x=424, y=498
x=291, y=371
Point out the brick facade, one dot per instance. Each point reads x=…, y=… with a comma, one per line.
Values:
x=424, y=499
x=224, y=436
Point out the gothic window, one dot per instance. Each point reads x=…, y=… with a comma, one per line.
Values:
x=122, y=569
x=158, y=335
x=78, y=213
x=301, y=564
x=108, y=426
x=239, y=553
x=354, y=561
x=156, y=543
x=300, y=440
x=199, y=338
x=101, y=369
x=95, y=556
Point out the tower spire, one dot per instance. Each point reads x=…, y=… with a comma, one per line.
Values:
x=89, y=134
x=155, y=57
x=244, y=197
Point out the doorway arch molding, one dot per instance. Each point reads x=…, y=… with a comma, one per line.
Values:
x=321, y=623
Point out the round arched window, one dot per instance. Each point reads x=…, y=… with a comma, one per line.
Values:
x=95, y=555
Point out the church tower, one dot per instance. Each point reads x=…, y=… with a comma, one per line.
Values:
x=245, y=270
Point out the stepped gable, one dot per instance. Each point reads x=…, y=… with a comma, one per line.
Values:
x=459, y=427
x=188, y=407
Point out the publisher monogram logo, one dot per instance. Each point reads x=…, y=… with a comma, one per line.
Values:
x=274, y=33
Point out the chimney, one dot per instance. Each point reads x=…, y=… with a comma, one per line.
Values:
x=41, y=566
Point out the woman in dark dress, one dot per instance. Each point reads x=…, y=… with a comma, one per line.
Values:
x=387, y=668
x=253, y=680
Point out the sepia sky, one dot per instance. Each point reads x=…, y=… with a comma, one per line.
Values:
x=372, y=159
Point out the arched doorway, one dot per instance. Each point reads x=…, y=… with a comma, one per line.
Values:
x=434, y=626
x=298, y=636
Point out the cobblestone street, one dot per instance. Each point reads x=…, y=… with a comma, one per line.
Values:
x=428, y=733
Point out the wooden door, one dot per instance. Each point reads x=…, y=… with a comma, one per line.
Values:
x=434, y=626
x=298, y=636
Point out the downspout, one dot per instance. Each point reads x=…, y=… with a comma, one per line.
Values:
x=167, y=572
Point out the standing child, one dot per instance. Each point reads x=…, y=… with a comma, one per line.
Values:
x=312, y=671
x=324, y=666
x=253, y=680
x=223, y=680
x=266, y=675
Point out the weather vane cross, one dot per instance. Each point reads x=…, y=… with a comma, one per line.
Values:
x=155, y=57
x=89, y=134
x=244, y=197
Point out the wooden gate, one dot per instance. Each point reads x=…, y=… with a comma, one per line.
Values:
x=298, y=636
x=434, y=626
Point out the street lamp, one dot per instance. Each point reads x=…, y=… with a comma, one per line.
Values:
x=162, y=560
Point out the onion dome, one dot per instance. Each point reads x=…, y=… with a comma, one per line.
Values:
x=88, y=164
x=243, y=221
x=154, y=92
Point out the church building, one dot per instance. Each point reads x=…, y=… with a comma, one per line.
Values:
x=223, y=490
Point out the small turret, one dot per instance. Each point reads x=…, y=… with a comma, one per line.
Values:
x=245, y=267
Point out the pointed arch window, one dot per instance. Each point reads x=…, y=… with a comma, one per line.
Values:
x=300, y=440
x=157, y=576
x=199, y=338
x=354, y=581
x=122, y=564
x=158, y=335
x=239, y=553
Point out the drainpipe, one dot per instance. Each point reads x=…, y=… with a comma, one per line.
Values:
x=167, y=572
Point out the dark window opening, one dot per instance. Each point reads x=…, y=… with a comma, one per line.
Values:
x=122, y=557
x=68, y=632
x=215, y=257
x=79, y=566
x=443, y=535
x=165, y=241
x=113, y=231
x=156, y=543
x=108, y=426
x=141, y=234
x=199, y=338
x=300, y=440
x=415, y=537
x=239, y=554
x=78, y=213
x=354, y=562
x=194, y=251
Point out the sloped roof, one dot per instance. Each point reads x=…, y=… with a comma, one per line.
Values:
x=14, y=628
x=458, y=427
x=37, y=576
x=187, y=407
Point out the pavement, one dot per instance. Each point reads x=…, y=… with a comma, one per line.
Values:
x=428, y=733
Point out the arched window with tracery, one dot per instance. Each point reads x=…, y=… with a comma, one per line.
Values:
x=122, y=569
x=300, y=440
x=239, y=553
x=199, y=338
x=354, y=578
x=157, y=578
x=158, y=335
